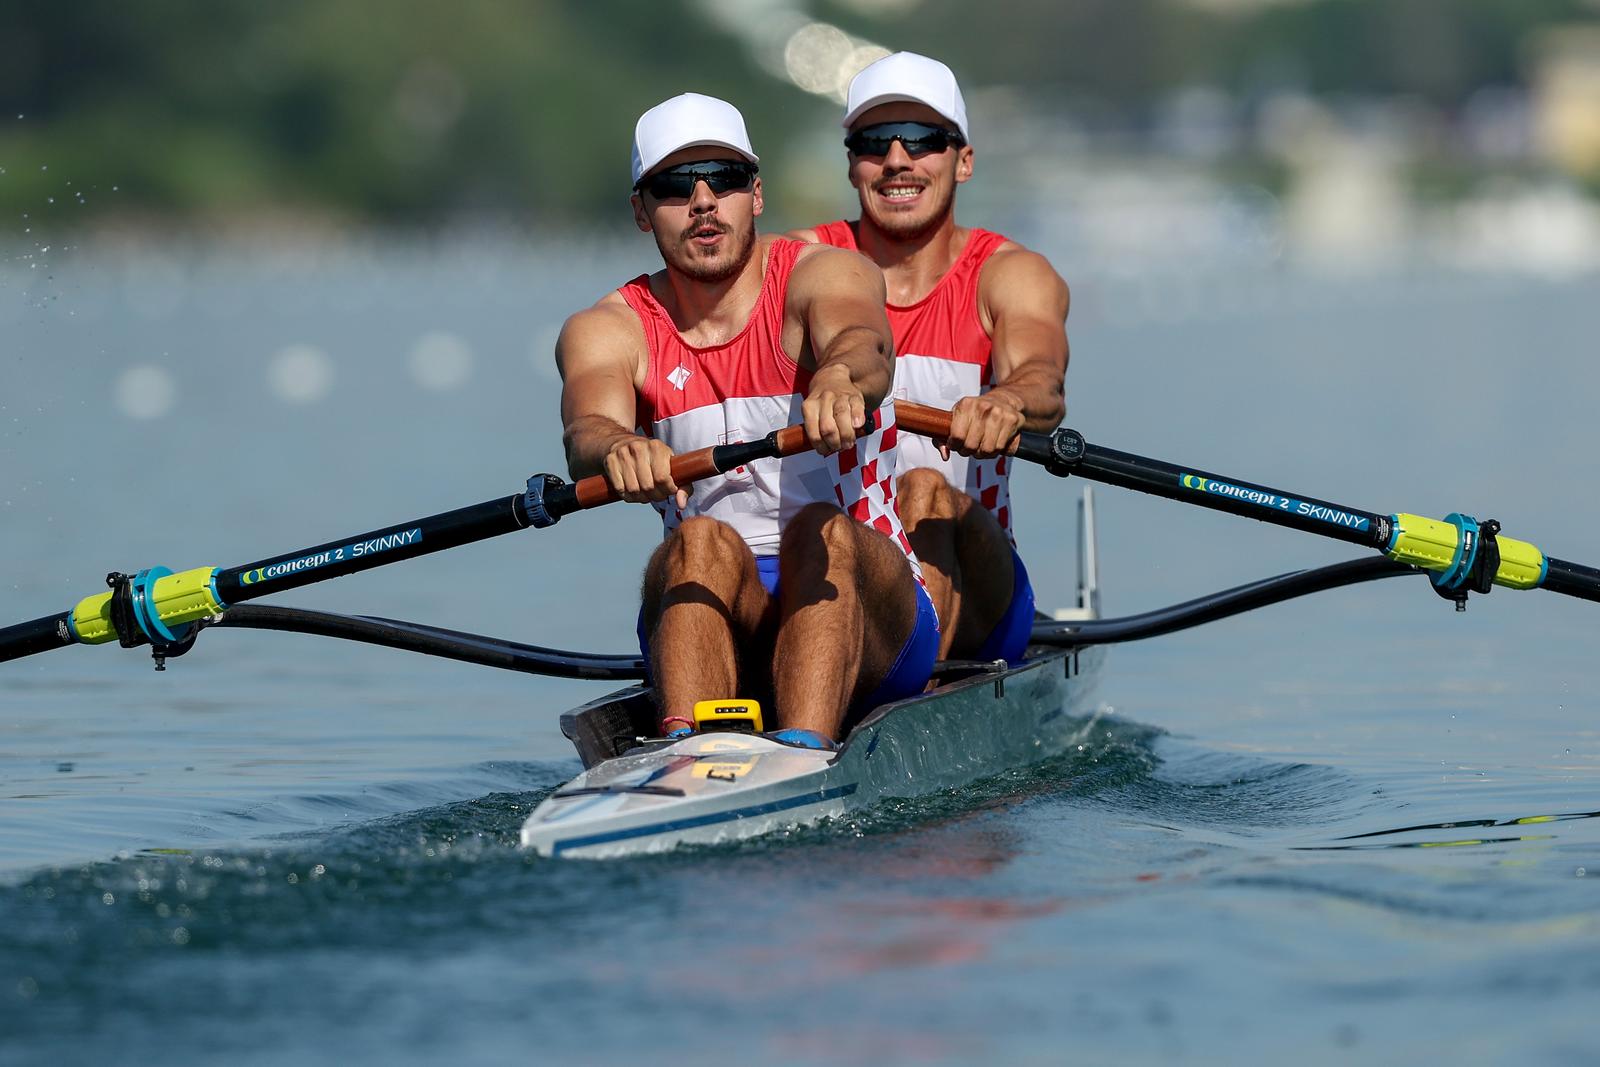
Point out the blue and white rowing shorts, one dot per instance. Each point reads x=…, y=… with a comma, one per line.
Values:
x=912, y=667
x=1009, y=638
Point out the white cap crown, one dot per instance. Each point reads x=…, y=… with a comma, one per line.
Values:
x=690, y=119
x=907, y=77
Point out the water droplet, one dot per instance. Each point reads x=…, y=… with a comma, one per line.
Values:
x=44, y=166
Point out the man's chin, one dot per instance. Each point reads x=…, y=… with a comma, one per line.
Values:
x=907, y=228
x=727, y=263
x=710, y=270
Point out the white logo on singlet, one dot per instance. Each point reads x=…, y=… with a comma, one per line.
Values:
x=679, y=377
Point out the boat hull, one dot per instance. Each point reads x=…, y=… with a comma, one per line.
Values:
x=720, y=787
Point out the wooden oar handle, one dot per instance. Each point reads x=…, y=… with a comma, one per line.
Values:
x=935, y=423
x=702, y=463
x=921, y=419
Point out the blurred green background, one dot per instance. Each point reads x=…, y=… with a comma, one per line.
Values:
x=338, y=113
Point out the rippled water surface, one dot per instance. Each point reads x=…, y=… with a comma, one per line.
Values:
x=1358, y=827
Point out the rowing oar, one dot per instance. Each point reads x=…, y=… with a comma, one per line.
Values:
x=1460, y=553
x=158, y=607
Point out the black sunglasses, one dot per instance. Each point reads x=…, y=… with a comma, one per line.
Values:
x=677, y=183
x=918, y=139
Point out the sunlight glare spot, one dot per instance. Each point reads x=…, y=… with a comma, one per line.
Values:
x=145, y=392
x=300, y=374
x=441, y=361
x=815, y=56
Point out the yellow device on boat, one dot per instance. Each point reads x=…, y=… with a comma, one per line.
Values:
x=741, y=715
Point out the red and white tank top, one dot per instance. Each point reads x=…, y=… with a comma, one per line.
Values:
x=944, y=355
x=741, y=391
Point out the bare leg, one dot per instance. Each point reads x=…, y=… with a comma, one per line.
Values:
x=927, y=507
x=708, y=617
x=848, y=604
x=965, y=556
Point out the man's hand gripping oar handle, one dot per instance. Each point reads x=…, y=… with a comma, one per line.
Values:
x=552, y=498
x=1461, y=554
x=159, y=608
x=1059, y=453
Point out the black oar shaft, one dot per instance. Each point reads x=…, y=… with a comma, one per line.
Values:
x=35, y=635
x=1066, y=452
x=375, y=549
x=1463, y=554
x=163, y=603
x=1235, y=497
x=476, y=523
x=1573, y=579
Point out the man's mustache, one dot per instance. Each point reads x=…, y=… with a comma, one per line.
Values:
x=702, y=227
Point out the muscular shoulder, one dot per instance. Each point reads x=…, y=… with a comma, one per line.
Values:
x=1014, y=261
x=1016, y=276
x=826, y=270
x=607, y=319
x=809, y=236
x=607, y=332
x=830, y=259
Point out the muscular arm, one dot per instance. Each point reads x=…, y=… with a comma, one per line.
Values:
x=1023, y=304
x=838, y=296
x=1027, y=304
x=600, y=355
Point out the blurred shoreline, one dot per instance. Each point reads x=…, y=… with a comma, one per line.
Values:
x=1111, y=221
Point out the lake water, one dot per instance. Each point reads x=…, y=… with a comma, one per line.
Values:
x=287, y=847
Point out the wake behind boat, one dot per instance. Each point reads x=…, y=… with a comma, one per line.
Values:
x=640, y=793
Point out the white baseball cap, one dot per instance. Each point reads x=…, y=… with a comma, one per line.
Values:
x=906, y=76
x=690, y=119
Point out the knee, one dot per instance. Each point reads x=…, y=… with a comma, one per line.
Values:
x=698, y=547
x=818, y=525
x=922, y=493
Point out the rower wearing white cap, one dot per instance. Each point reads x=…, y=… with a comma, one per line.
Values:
x=980, y=327
x=789, y=578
